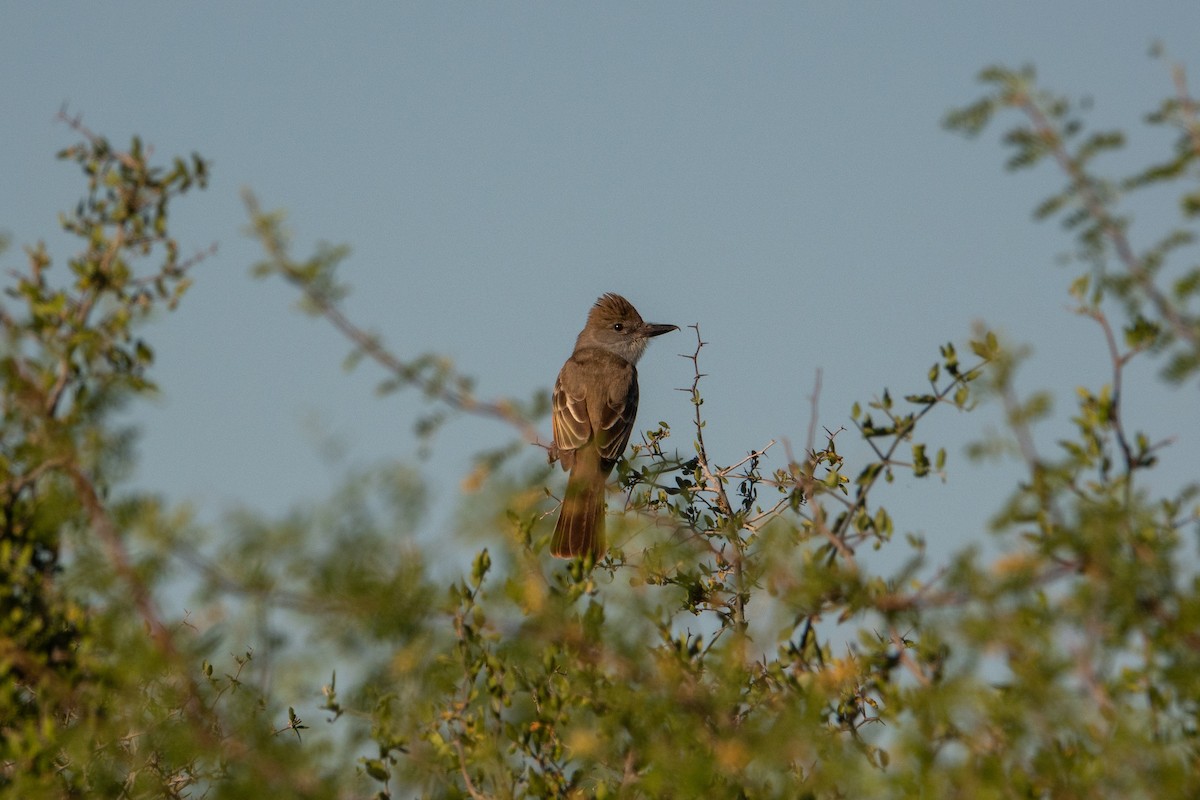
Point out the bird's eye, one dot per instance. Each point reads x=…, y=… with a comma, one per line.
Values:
x=618, y=327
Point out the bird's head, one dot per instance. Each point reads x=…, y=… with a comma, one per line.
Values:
x=615, y=325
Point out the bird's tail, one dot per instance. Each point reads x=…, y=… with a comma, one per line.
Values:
x=580, y=527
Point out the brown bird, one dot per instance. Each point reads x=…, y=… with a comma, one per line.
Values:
x=595, y=402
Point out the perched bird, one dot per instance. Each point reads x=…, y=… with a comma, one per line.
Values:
x=595, y=402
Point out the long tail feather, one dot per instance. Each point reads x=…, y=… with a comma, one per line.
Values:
x=580, y=527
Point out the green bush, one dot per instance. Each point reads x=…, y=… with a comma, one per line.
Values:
x=734, y=643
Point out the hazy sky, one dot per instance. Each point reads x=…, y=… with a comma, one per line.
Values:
x=776, y=173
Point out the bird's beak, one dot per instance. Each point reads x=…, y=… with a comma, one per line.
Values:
x=655, y=329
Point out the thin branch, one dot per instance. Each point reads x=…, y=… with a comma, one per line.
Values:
x=180, y=267
x=753, y=454
x=462, y=766
x=712, y=480
x=900, y=435
x=1118, y=365
x=106, y=529
x=17, y=484
x=1187, y=105
x=75, y=123
x=1020, y=428
x=715, y=480
x=813, y=399
x=756, y=522
x=1113, y=230
x=907, y=660
x=838, y=542
x=369, y=345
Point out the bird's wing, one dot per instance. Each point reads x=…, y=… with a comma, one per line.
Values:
x=615, y=418
x=605, y=421
x=569, y=416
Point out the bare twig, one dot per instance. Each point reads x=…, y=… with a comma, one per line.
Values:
x=753, y=454
x=811, y=442
x=1187, y=106
x=715, y=481
x=715, y=484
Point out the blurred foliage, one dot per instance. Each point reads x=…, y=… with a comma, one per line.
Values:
x=739, y=640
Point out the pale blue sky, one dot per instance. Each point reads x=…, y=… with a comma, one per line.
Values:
x=775, y=172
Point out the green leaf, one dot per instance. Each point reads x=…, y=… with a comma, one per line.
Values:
x=1141, y=333
x=377, y=770
x=480, y=567
x=920, y=461
x=1190, y=204
x=921, y=399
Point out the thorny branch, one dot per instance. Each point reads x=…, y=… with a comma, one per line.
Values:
x=714, y=484
x=715, y=479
